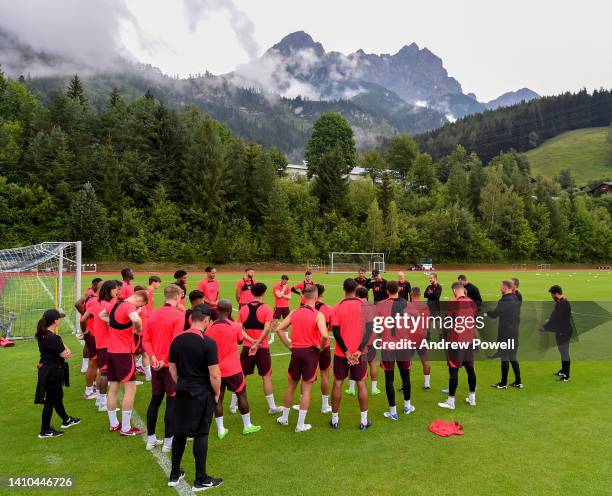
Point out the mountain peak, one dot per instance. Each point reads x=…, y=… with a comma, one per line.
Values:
x=408, y=49
x=294, y=42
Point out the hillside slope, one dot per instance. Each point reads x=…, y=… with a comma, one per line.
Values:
x=587, y=152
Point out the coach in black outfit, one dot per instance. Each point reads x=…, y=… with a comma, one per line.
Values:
x=560, y=322
x=471, y=291
x=508, y=312
x=378, y=285
x=194, y=366
x=433, y=292
x=52, y=374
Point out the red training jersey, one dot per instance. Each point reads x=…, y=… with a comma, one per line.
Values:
x=126, y=290
x=301, y=286
x=151, y=304
x=326, y=310
x=263, y=315
x=281, y=302
x=348, y=316
x=244, y=286
x=227, y=335
x=121, y=340
x=91, y=306
x=210, y=289
x=100, y=327
x=463, y=310
x=304, y=330
x=163, y=326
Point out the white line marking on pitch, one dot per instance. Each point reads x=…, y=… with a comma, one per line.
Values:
x=163, y=461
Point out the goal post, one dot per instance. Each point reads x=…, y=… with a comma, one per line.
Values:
x=34, y=279
x=350, y=263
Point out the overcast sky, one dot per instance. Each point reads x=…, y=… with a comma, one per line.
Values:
x=490, y=46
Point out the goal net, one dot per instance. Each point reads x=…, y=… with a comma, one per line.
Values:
x=34, y=279
x=345, y=263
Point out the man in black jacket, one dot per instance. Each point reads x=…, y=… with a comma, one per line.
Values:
x=508, y=312
x=560, y=322
x=471, y=290
x=378, y=285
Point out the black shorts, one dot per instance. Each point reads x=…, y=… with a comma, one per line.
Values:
x=162, y=382
x=281, y=313
x=261, y=358
x=342, y=369
x=102, y=360
x=421, y=352
x=121, y=367
x=90, y=344
x=325, y=359
x=390, y=364
x=460, y=358
x=303, y=364
x=234, y=383
x=191, y=415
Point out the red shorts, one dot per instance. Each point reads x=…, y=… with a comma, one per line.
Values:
x=390, y=364
x=459, y=358
x=138, y=349
x=261, y=358
x=422, y=352
x=162, y=382
x=121, y=367
x=90, y=344
x=281, y=313
x=325, y=359
x=303, y=364
x=102, y=359
x=234, y=383
x=342, y=369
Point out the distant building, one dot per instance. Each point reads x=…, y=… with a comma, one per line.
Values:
x=295, y=171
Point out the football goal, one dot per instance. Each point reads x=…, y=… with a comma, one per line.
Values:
x=34, y=279
x=350, y=263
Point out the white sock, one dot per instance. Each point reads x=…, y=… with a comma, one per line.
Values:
x=451, y=400
x=139, y=361
x=301, y=417
x=98, y=398
x=147, y=371
x=427, y=379
x=352, y=386
x=168, y=442
x=271, y=403
x=364, y=417
x=285, y=415
x=374, y=385
x=102, y=400
x=335, y=418
x=407, y=404
x=246, y=420
x=234, y=401
x=88, y=390
x=85, y=364
x=151, y=439
x=472, y=396
x=220, y=426
x=392, y=411
x=112, y=418
x=325, y=400
x=126, y=417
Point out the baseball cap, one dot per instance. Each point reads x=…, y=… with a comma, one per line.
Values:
x=52, y=315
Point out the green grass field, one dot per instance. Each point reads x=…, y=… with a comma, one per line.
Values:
x=586, y=152
x=549, y=438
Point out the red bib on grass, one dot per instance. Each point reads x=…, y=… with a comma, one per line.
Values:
x=446, y=429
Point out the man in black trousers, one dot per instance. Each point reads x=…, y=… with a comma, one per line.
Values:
x=471, y=290
x=560, y=322
x=194, y=366
x=508, y=312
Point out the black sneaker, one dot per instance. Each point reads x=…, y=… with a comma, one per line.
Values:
x=365, y=426
x=334, y=425
x=517, y=385
x=69, y=422
x=426, y=388
x=499, y=385
x=564, y=378
x=559, y=373
x=206, y=484
x=50, y=433
x=174, y=479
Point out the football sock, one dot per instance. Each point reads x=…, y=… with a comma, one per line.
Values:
x=472, y=396
x=112, y=418
x=285, y=415
x=364, y=417
x=335, y=418
x=246, y=420
x=168, y=442
x=234, y=401
x=88, y=390
x=407, y=404
x=374, y=385
x=84, y=364
x=220, y=426
x=126, y=416
x=325, y=400
x=301, y=417
x=352, y=386
x=427, y=381
x=147, y=371
x=151, y=439
x=451, y=400
x=270, y=400
x=392, y=410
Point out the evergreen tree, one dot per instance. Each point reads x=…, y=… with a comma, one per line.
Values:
x=401, y=155
x=392, y=238
x=110, y=178
x=375, y=228
x=279, y=161
x=331, y=183
x=330, y=131
x=75, y=90
x=278, y=225
x=422, y=176
x=457, y=185
x=88, y=221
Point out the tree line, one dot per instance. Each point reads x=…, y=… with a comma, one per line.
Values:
x=139, y=181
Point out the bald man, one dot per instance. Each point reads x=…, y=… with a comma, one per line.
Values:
x=404, y=286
